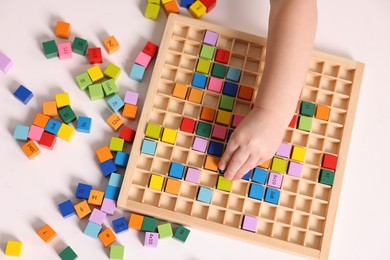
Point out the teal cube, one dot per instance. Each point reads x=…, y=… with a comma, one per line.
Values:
x=233, y=74
x=218, y=71
x=96, y=91
x=79, y=46
x=326, y=177
x=83, y=81
x=226, y=103
x=50, y=49
x=203, y=129
x=67, y=115
x=307, y=108
x=68, y=254
x=149, y=224
x=181, y=234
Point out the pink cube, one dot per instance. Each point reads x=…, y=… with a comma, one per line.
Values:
x=131, y=98
x=275, y=180
x=219, y=132
x=237, y=120
x=151, y=239
x=192, y=175
x=5, y=63
x=64, y=50
x=97, y=216
x=199, y=144
x=35, y=133
x=143, y=59
x=108, y=206
x=215, y=84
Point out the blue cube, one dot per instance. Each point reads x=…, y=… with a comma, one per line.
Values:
x=199, y=80
x=115, y=180
x=92, y=229
x=67, y=208
x=256, y=192
x=272, y=196
x=148, y=147
x=204, y=195
x=84, y=124
x=247, y=176
x=186, y=3
x=230, y=132
x=233, y=74
x=176, y=170
x=108, y=167
x=111, y=192
x=115, y=103
x=83, y=191
x=21, y=132
x=120, y=225
x=259, y=175
x=137, y=72
x=23, y=94
x=53, y=126
x=230, y=89
x=215, y=148
x=121, y=159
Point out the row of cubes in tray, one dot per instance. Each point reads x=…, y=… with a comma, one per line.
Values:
x=199, y=36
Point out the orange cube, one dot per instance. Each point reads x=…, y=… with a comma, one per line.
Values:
x=41, y=120
x=130, y=111
x=46, y=233
x=96, y=197
x=31, y=149
x=196, y=95
x=207, y=114
x=62, y=30
x=111, y=44
x=245, y=92
x=50, y=108
x=115, y=121
x=172, y=186
x=211, y=163
x=107, y=237
x=322, y=112
x=136, y=221
x=104, y=154
x=82, y=209
x=265, y=164
x=180, y=91
x=171, y=7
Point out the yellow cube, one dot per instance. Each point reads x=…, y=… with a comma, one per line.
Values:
x=298, y=154
x=223, y=117
x=165, y=1
x=13, y=248
x=156, y=182
x=95, y=73
x=197, y=9
x=224, y=184
x=65, y=132
x=169, y=136
x=62, y=100
x=111, y=44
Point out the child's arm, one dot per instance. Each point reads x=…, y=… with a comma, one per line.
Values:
x=291, y=33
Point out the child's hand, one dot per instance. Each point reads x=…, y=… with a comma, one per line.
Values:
x=254, y=141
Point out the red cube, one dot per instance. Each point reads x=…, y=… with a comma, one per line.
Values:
x=222, y=56
x=188, y=125
x=47, y=140
x=95, y=55
x=127, y=134
x=150, y=49
x=209, y=4
x=293, y=122
x=329, y=161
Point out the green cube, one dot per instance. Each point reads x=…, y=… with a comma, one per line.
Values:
x=83, y=80
x=149, y=224
x=203, y=66
x=327, y=177
x=224, y=184
x=218, y=71
x=207, y=52
x=109, y=87
x=279, y=165
x=112, y=71
x=203, y=129
x=153, y=131
x=305, y=123
x=117, y=252
x=96, y=91
x=50, y=49
x=67, y=115
x=152, y=11
x=226, y=103
x=307, y=108
x=79, y=46
x=165, y=230
x=68, y=254
x=181, y=234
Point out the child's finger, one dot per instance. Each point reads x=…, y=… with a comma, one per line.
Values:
x=227, y=155
x=238, y=159
x=248, y=165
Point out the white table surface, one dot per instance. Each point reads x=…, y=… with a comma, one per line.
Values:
x=31, y=190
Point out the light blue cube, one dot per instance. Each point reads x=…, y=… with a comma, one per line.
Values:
x=137, y=72
x=115, y=180
x=21, y=132
x=92, y=229
x=115, y=103
x=204, y=195
x=148, y=147
x=233, y=74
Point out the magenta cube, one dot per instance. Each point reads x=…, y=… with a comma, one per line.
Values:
x=97, y=216
x=275, y=180
x=64, y=50
x=249, y=223
x=199, y=144
x=237, y=120
x=284, y=150
x=5, y=63
x=108, y=206
x=192, y=175
x=295, y=169
x=35, y=133
x=131, y=97
x=215, y=84
x=151, y=239
x=210, y=38
x=219, y=132
x=143, y=59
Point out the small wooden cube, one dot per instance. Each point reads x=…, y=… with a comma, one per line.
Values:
x=169, y=136
x=171, y=7
x=130, y=111
x=62, y=100
x=95, y=197
x=197, y=9
x=180, y=91
x=111, y=44
x=135, y=221
x=65, y=132
x=211, y=163
x=46, y=233
x=152, y=11
x=196, y=95
x=298, y=154
x=322, y=112
x=223, y=117
x=156, y=182
x=47, y=140
x=112, y=71
x=279, y=165
x=41, y=120
x=329, y=161
x=107, y=237
x=95, y=55
x=13, y=248
x=224, y=184
x=165, y=231
x=82, y=209
x=104, y=154
x=95, y=73
x=115, y=121
x=173, y=186
x=50, y=108
x=30, y=149
x=62, y=30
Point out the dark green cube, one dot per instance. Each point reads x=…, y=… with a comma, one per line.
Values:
x=218, y=71
x=79, y=46
x=203, y=129
x=68, y=254
x=149, y=224
x=67, y=115
x=326, y=177
x=226, y=103
x=181, y=233
x=307, y=108
x=50, y=49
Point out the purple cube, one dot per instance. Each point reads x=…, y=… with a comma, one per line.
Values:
x=275, y=180
x=199, y=144
x=210, y=38
x=249, y=223
x=151, y=239
x=295, y=169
